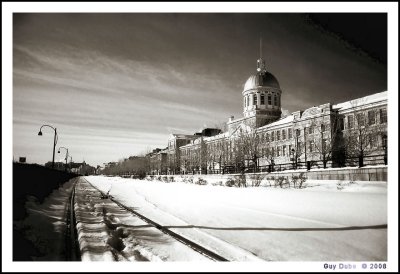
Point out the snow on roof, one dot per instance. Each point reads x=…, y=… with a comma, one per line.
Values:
x=208, y=139
x=281, y=121
x=174, y=135
x=218, y=136
x=186, y=146
x=362, y=101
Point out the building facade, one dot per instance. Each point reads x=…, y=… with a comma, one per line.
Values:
x=328, y=135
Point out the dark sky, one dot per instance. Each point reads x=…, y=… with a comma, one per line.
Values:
x=116, y=84
x=367, y=33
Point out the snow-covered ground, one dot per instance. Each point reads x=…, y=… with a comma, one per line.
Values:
x=327, y=221
x=45, y=224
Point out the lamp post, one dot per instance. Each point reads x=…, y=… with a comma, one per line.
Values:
x=384, y=141
x=297, y=148
x=70, y=163
x=55, y=139
x=293, y=155
x=66, y=156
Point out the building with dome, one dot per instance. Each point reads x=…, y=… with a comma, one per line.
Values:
x=261, y=99
x=352, y=133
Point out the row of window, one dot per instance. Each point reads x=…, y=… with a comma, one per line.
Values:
x=289, y=150
x=311, y=147
x=285, y=150
x=372, y=118
x=271, y=136
x=276, y=98
x=288, y=133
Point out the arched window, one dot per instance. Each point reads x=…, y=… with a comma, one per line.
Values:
x=262, y=99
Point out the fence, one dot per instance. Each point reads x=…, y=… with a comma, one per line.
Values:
x=368, y=160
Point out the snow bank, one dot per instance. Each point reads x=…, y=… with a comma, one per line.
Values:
x=45, y=223
x=107, y=232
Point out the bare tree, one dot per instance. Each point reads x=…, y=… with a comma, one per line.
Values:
x=298, y=149
x=362, y=139
x=172, y=160
x=364, y=129
x=322, y=138
x=248, y=147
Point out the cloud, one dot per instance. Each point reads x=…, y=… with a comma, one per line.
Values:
x=110, y=100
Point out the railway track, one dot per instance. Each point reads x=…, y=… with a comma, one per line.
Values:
x=71, y=236
x=196, y=247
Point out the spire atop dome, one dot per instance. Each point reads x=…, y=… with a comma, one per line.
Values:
x=260, y=62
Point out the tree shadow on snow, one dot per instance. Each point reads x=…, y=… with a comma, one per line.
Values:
x=383, y=226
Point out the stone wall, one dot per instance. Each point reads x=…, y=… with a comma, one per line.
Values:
x=378, y=173
x=348, y=174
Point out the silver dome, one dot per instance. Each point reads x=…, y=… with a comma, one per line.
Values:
x=264, y=79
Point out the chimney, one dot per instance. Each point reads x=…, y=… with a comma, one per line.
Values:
x=231, y=118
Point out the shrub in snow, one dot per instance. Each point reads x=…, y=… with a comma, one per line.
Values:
x=256, y=179
x=190, y=180
x=171, y=179
x=286, y=182
x=159, y=178
x=341, y=185
x=282, y=181
x=271, y=180
x=230, y=182
x=294, y=180
x=240, y=181
x=219, y=183
x=201, y=181
x=151, y=177
x=141, y=174
x=302, y=179
x=165, y=179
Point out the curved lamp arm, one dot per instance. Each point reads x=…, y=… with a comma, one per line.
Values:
x=55, y=139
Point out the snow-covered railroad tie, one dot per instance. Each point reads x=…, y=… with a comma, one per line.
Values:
x=108, y=230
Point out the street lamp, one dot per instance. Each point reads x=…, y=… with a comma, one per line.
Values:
x=293, y=156
x=55, y=139
x=66, y=156
x=384, y=142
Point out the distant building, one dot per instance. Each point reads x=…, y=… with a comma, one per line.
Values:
x=57, y=165
x=158, y=161
x=82, y=168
